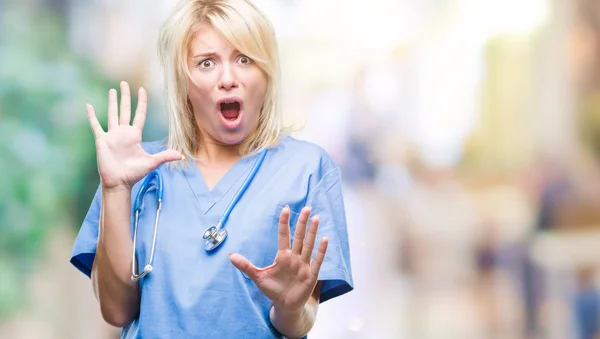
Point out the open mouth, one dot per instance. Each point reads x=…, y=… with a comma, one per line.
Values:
x=230, y=109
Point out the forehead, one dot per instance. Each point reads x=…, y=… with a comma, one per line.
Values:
x=207, y=39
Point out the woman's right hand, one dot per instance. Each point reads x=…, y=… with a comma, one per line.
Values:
x=121, y=160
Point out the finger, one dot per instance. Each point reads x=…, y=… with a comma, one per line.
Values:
x=125, y=111
x=165, y=156
x=316, y=264
x=94, y=123
x=140, y=111
x=244, y=265
x=300, y=232
x=113, y=111
x=309, y=244
x=284, y=229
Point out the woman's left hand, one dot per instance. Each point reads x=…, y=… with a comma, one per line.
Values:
x=291, y=279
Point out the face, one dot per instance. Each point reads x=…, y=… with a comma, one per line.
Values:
x=229, y=88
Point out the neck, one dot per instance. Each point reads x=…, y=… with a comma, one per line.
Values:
x=211, y=153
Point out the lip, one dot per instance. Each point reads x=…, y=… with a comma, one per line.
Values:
x=231, y=124
x=229, y=99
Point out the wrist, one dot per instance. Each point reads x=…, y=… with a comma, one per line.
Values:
x=293, y=323
x=289, y=312
x=115, y=190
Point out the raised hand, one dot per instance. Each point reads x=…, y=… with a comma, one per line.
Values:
x=121, y=159
x=291, y=279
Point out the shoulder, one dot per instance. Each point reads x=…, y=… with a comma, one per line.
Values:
x=305, y=162
x=306, y=154
x=155, y=146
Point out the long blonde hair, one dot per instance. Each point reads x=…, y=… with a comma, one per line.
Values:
x=247, y=29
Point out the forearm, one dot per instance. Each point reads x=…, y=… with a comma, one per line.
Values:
x=294, y=324
x=119, y=297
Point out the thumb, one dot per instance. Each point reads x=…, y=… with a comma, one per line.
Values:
x=166, y=156
x=243, y=265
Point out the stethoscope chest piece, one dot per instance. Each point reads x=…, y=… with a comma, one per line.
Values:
x=214, y=237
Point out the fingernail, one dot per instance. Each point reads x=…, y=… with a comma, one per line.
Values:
x=287, y=207
x=229, y=255
x=182, y=157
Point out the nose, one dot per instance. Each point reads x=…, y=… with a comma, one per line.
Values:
x=228, y=79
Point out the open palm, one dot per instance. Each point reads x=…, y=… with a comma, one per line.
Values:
x=121, y=159
x=291, y=279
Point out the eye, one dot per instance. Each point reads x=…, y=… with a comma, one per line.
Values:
x=206, y=63
x=245, y=60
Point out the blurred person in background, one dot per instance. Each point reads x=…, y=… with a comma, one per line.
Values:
x=586, y=305
x=220, y=65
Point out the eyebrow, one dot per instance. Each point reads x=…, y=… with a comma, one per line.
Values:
x=212, y=54
x=204, y=55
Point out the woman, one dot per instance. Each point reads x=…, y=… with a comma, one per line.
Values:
x=264, y=280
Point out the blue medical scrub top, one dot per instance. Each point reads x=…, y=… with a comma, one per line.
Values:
x=200, y=294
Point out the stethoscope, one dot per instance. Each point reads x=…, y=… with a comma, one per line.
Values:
x=215, y=235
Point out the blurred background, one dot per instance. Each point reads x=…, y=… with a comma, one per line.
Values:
x=468, y=132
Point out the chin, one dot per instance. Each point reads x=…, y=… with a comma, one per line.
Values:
x=233, y=138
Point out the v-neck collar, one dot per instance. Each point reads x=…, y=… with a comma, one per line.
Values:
x=208, y=198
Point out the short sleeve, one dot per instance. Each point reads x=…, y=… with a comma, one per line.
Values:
x=326, y=201
x=84, y=248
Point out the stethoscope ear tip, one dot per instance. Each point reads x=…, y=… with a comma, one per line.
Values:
x=147, y=269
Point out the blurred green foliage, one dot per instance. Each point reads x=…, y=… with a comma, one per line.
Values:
x=47, y=157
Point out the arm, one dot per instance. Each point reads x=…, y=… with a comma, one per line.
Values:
x=121, y=162
x=292, y=281
x=297, y=324
x=119, y=297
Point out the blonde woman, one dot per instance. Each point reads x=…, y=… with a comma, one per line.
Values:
x=249, y=234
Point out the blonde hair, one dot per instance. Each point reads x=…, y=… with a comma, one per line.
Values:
x=247, y=29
